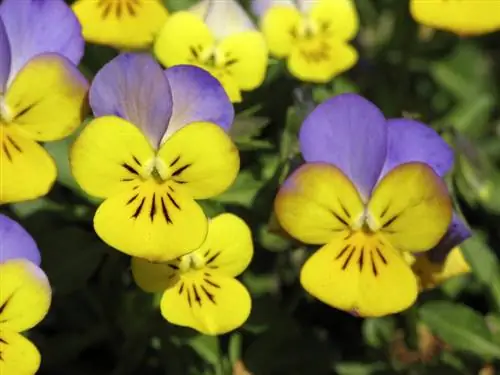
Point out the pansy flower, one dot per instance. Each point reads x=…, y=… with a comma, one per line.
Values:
x=217, y=36
x=312, y=35
x=158, y=142
x=42, y=93
x=462, y=17
x=121, y=23
x=370, y=190
x=25, y=297
x=199, y=289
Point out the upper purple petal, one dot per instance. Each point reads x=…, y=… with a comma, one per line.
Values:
x=16, y=243
x=412, y=141
x=133, y=86
x=197, y=96
x=38, y=26
x=4, y=57
x=457, y=233
x=349, y=132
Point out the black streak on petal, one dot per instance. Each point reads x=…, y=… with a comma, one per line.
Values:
x=196, y=295
x=139, y=209
x=133, y=198
x=209, y=282
x=361, y=259
x=130, y=169
x=152, y=211
x=181, y=288
x=173, y=201
x=374, y=266
x=180, y=170
x=381, y=255
x=213, y=257
x=164, y=211
x=346, y=263
x=14, y=144
x=342, y=252
x=209, y=295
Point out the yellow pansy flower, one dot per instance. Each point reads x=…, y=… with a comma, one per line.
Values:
x=312, y=35
x=124, y=24
x=219, y=37
x=199, y=289
x=463, y=17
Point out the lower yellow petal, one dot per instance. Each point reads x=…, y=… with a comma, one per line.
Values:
x=150, y=220
x=411, y=207
x=201, y=158
x=120, y=23
x=317, y=202
x=25, y=295
x=245, y=58
x=209, y=303
x=46, y=100
x=360, y=274
x=320, y=59
x=18, y=356
x=153, y=277
x=276, y=25
x=26, y=170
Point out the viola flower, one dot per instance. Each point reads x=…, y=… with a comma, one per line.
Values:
x=312, y=35
x=370, y=191
x=462, y=17
x=219, y=37
x=25, y=297
x=42, y=93
x=199, y=289
x=157, y=143
x=121, y=23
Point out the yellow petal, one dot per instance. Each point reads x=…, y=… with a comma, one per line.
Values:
x=464, y=17
x=209, y=303
x=182, y=35
x=27, y=170
x=245, y=56
x=120, y=23
x=316, y=202
x=46, y=100
x=320, y=59
x=201, y=158
x=18, y=355
x=151, y=220
x=227, y=81
x=339, y=16
x=361, y=274
x=153, y=277
x=25, y=295
x=108, y=155
x=276, y=25
x=411, y=207
x=228, y=247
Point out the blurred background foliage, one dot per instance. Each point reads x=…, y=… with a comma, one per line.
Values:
x=100, y=323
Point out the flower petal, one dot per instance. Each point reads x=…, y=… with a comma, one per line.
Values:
x=197, y=96
x=108, y=155
x=203, y=172
x=5, y=60
x=411, y=207
x=349, y=132
x=260, y=7
x=153, y=277
x=133, y=86
x=360, y=274
x=28, y=171
x=19, y=355
x=35, y=27
x=465, y=17
x=122, y=23
x=46, y=100
x=320, y=60
x=276, y=25
x=317, y=202
x=228, y=248
x=25, y=296
x=211, y=304
x=16, y=242
x=457, y=233
x=340, y=16
x=182, y=35
x=410, y=141
x=246, y=58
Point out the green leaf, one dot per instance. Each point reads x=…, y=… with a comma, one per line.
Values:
x=461, y=327
x=242, y=191
x=378, y=332
x=207, y=347
x=353, y=368
x=234, y=351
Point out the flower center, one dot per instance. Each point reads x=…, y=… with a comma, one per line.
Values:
x=6, y=115
x=311, y=38
x=211, y=58
x=191, y=262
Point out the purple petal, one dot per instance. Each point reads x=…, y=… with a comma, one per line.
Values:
x=410, y=140
x=16, y=243
x=457, y=233
x=4, y=57
x=197, y=96
x=133, y=86
x=349, y=132
x=37, y=26
x=259, y=7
